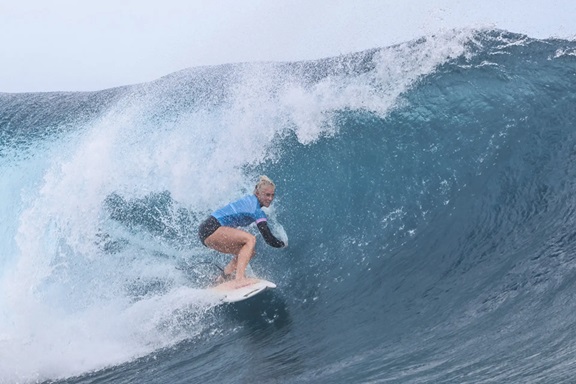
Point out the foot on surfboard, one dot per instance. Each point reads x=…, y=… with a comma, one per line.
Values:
x=223, y=277
x=238, y=290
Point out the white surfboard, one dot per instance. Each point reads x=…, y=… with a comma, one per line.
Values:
x=233, y=291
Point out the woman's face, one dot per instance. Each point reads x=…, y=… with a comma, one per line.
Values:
x=265, y=195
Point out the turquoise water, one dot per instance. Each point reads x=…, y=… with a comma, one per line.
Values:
x=425, y=191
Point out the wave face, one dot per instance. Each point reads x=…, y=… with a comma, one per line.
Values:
x=425, y=190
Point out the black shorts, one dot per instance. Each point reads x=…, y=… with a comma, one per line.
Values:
x=208, y=227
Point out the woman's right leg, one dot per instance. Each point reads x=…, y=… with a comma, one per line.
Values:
x=235, y=242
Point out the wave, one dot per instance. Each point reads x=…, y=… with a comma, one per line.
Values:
x=425, y=189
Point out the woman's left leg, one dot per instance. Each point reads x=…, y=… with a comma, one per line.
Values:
x=236, y=242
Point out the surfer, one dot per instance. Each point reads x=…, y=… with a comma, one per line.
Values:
x=220, y=230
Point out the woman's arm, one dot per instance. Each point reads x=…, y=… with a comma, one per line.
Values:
x=268, y=236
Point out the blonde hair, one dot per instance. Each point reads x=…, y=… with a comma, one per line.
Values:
x=263, y=181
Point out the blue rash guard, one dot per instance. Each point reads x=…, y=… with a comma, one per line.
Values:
x=241, y=213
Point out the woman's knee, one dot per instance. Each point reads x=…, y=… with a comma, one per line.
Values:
x=230, y=240
x=250, y=240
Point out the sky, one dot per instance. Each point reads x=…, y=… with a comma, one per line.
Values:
x=71, y=45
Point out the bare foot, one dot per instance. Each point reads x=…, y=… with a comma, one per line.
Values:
x=223, y=277
x=236, y=283
x=242, y=282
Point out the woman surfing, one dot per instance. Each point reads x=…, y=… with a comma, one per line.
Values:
x=220, y=231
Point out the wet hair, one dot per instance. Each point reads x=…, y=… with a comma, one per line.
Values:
x=264, y=181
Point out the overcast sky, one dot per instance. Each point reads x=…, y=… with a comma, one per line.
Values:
x=71, y=45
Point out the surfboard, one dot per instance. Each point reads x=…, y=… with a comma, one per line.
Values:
x=233, y=291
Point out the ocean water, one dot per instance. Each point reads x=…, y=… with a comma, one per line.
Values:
x=426, y=191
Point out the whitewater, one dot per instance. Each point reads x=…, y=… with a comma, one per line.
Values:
x=425, y=191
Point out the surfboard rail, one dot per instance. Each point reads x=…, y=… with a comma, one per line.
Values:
x=234, y=291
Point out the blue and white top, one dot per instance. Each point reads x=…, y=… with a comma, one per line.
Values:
x=241, y=213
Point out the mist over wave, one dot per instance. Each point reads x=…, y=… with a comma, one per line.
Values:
x=425, y=190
